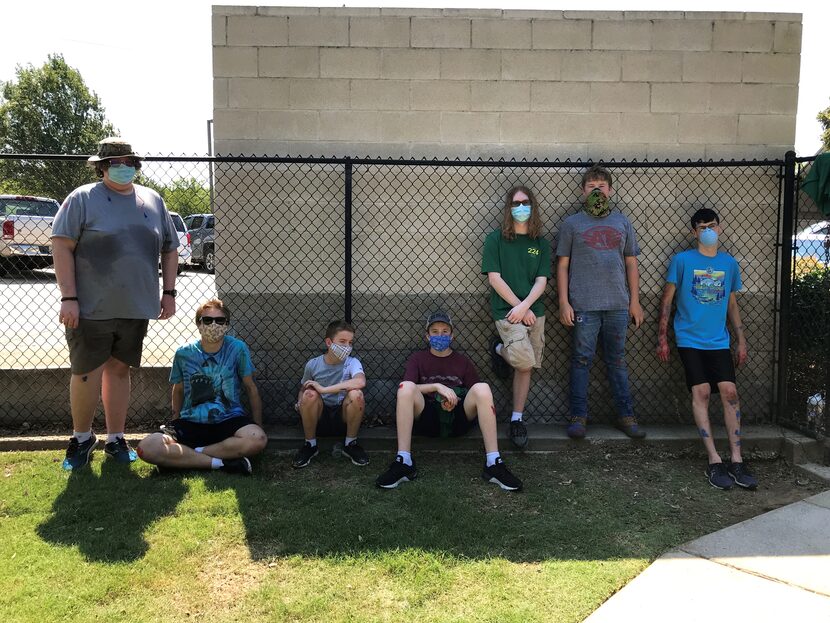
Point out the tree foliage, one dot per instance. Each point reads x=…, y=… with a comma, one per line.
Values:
x=49, y=110
x=185, y=195
x=824, y=119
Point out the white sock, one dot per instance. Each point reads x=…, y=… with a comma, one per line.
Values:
x=406, y=456
x=499, y=348
x=200, y=449
x=82, y=437
x=312, y=442
x=216, y=463
x=349, y=440
x=114, y=437
x=517, y=415
x=491, y=458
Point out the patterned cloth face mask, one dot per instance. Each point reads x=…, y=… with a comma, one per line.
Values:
x=339, y=351
x=596, y=204
x=440, y=343
x=212, y=332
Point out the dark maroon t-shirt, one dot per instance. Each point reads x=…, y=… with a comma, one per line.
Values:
x=454, y=370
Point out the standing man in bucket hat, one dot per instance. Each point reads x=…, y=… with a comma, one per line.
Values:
x=106, y=241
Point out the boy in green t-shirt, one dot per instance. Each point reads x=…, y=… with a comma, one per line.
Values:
x=516, y=260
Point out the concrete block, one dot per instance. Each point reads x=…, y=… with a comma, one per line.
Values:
x=430, y=32
x=620, y=97
x=220, y=93
x=715, y=15
x=410, y=127
x=257, y=30
x=672, y=152
x=380, y=94
x=473, y=13
x=470, y=127
x=605, y=152
x=352, y=125
x=233, y=62
x=654, y=15
x=289, y=62
x=595, y=15
x=680, y=97
x=622, y=35
x=348, y=11
x=288, y=125
x=412, y=12
x=708, y=128
x=287, y=11
x=470, y=64
x=219, y=29
x=753, y=98
x=771, y=68
x=349, y=63
x=559, y=34
x=743, y=36
x=379, y=32
x=648, y=128
x=500, y=95
x=787, y=38
x=782, y=99
x=592, y=67
x=439, y=95
x=317, y=30
x=531, y=13
x=501, y=34
x=711, y=67
x=234, y=124
x=560, y=96
x=531, y=65
x=684, y=35
x=527, y=127
x=652, y=66
x=588, y=127
x=233, y=10
x=744, y=152
x=258, y=93
x=410, y=64
x=766, y=129
x=320, y=93
x=773, y=17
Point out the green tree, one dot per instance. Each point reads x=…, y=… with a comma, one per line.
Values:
x=824, y=119
x=49, y=110
x=185, y=195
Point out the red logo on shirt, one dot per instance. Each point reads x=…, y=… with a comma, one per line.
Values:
x=602, y=238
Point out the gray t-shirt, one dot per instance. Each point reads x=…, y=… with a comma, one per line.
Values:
x=119, y=240
x=318, y=370
x=597, y=248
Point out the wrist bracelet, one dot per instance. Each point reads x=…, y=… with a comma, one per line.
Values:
x=68, y=298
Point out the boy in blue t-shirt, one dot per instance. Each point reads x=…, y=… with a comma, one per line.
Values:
x=210, y=429
x=706, y=281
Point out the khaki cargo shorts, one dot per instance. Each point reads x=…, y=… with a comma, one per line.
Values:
x=523, y=346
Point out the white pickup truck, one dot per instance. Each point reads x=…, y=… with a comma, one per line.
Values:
x=27, y=229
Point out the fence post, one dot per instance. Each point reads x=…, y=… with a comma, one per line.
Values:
x=787, y=226
x=347, y=268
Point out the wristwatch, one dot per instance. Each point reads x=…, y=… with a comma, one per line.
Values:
x=170, y=292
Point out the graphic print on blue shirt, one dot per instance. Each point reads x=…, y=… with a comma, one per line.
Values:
x=708, y=285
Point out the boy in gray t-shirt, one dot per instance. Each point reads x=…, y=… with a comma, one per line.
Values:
x=598, y=283
x=331, y=397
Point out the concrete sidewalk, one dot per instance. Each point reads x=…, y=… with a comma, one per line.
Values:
x=774, y=567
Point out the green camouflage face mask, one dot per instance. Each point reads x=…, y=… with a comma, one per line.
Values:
x=596, y=204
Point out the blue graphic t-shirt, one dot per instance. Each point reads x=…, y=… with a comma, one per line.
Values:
x=703, y=288
x=212, y=381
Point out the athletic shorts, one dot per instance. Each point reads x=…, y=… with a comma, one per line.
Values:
x=331, y=423
x=95, y=341
x=523, y=345
x=429, y=422
x=707, y=366
x=196, y=435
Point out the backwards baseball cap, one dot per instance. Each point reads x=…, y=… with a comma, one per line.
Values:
x=438, y=316
x=113, y=147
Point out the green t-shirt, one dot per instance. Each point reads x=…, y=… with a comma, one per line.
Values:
x=519, y=261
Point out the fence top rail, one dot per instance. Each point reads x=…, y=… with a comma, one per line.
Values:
x=445, y=162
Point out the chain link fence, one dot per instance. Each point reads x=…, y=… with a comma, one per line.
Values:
x=298, y=242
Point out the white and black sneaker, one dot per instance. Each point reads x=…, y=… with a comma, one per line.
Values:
x=304, y=456
x=500, y=475
x=397, y=473
x=357, y=454
x=237, y=466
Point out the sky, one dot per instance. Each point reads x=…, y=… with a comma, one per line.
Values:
x=150, y=61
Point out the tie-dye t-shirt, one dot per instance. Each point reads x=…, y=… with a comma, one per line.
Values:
x=212, y=381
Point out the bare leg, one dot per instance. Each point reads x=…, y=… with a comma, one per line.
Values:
x=410, y=403
x=161, y=449
x=84, y=392
x=247, y=441
x=354, y=406
x=700, y=408
x=311, y=408
x=115, y=393
x=732, y=418
x=521, y=387
x=479, y=403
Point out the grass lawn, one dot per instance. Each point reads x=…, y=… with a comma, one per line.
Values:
x=121, y=543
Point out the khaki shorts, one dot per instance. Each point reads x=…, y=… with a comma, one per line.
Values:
x=95, y=341
x=523, y=346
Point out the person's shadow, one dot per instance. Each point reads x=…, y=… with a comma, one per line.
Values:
x=106, y=516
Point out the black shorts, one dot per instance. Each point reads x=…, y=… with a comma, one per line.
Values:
x=197, y=435
x=707, y=366
x=429, y=423
x=95, y=341
x=331, y=422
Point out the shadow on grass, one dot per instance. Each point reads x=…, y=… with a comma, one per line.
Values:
x=106, y=516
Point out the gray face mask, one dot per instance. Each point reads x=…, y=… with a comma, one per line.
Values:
x=339, y=351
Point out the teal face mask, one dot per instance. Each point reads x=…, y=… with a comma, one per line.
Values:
x=121, y=173
x=520, y=212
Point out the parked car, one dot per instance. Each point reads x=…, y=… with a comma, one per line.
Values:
x=201, y=231
x=27, y=229
x=184, y=241
x=813, y=241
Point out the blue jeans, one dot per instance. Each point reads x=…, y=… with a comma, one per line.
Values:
x=612, y=325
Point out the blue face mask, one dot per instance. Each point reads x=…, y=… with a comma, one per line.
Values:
x=708, y=237
x=521, y=212
x=121, y=173
x=439, y=343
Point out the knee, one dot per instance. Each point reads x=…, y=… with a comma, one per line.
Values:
x=729, y=394
x=701, y=394
x=149, y=449
x=257, y=441
x=117, y=367
x=581, y=361
x=355, y=396
x=310, y=396
x=481, y=391
x=406, y=390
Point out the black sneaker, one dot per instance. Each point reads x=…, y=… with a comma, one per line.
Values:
x=718, y=476
x=355, y=453
x=78, y=454
x=167, y=429
x=518, y=433
x=121, y=451
x=630, y=427
x=741, y=476
x=500, y=367
x=397, y=473
x=304, y=456
x=237, y=466
x=500, y=475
